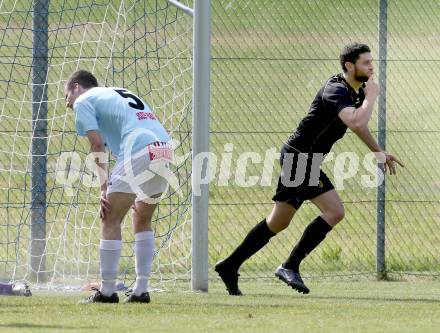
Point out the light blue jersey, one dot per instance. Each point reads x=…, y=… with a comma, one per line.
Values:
x=126, y=123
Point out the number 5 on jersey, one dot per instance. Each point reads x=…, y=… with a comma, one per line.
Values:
x=126, y=94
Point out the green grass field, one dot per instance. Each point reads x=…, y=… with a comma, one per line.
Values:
x=268, y=307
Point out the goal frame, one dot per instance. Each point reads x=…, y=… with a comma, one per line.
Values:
x=201, y=14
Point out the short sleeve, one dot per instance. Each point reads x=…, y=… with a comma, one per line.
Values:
x=85, y=118
x=337, y=97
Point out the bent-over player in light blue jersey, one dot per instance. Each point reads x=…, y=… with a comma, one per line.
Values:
x=117, y=118
x=116, y=113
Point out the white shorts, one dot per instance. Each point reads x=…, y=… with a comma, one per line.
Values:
x=145, y=174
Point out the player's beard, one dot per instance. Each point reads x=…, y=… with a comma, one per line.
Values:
x=361, y=77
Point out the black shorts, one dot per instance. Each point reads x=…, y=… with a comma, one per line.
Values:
x=297, y=182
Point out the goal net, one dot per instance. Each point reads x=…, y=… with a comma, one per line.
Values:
x=49, y=196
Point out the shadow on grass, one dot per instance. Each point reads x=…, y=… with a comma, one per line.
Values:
x=377, y=299
x=298, y=297
x=301, y=301
x=32, y=304
x=291, y=299
x=24, y=325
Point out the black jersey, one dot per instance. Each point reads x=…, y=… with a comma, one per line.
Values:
x=321, y=127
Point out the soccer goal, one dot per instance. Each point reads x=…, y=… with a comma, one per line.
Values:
x=49, y=198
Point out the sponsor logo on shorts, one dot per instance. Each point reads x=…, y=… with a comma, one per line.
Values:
x=163, y=152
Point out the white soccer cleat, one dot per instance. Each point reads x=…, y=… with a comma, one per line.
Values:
x=21, y=289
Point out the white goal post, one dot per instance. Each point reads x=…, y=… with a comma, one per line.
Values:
x=201, y=99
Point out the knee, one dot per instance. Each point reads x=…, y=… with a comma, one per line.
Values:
x=335, y=216
x=111, y=229
x=280, y=217
x=141, y=218
x=340, y=213
x=277, y=225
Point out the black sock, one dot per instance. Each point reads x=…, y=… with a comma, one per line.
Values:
x=314, y=234
x=253, y=242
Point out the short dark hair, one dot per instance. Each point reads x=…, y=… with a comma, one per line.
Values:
x=351, y=52
x=84, y=78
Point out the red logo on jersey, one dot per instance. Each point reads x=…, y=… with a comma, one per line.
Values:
x=145, y=115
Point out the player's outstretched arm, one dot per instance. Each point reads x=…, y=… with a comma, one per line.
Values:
x=389, y=160
x=390, y=163
x=357, y=120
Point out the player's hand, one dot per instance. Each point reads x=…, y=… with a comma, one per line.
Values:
x=390, y=163
x=372, y=88
x=105, y=205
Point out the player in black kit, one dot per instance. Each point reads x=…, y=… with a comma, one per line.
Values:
x=345, y=101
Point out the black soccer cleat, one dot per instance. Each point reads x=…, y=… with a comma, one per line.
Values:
x=133, y=298
x=229, y=278
x=292, y=279
x=98, y=297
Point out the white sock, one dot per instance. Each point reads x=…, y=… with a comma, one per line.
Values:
x=110, y=251
x=144, y=252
